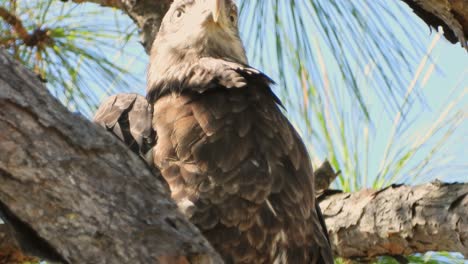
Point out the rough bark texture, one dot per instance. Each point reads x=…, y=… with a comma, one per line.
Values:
x=451, y=15
x=73, y=193
x=399, y=220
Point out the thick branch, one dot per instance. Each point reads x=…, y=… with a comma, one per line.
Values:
x=399, y=220
x=71, y=192
x=451, y=15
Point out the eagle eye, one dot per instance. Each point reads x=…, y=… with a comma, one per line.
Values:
x=179, y=12
x=233, y=14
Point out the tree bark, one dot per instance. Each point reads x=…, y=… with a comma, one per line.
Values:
x=399, y=220
x=72, y=193
x=451, y=15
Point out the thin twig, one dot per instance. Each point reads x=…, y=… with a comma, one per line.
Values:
x=15, y=23
x=39, y=37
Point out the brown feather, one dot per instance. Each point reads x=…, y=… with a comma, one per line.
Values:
x=249, y=178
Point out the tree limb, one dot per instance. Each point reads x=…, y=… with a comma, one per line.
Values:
x=72, y=193
x=399, y=220
x=451, y=15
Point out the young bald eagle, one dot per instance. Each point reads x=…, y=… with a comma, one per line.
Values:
x=235, y=165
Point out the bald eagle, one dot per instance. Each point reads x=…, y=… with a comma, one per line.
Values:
x=213, y=127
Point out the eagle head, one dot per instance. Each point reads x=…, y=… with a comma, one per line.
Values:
x=194, y=29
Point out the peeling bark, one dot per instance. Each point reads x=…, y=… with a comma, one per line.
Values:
x=72, y=193
x=399, y=220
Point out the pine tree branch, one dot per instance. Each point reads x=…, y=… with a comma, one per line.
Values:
x=399, y=220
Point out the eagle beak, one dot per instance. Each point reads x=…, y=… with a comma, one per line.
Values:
x=217, y=10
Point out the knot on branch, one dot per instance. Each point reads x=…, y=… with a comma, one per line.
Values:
x=39, y=37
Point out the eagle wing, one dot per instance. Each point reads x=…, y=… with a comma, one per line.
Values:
x=236, y=166
x=128, y=117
